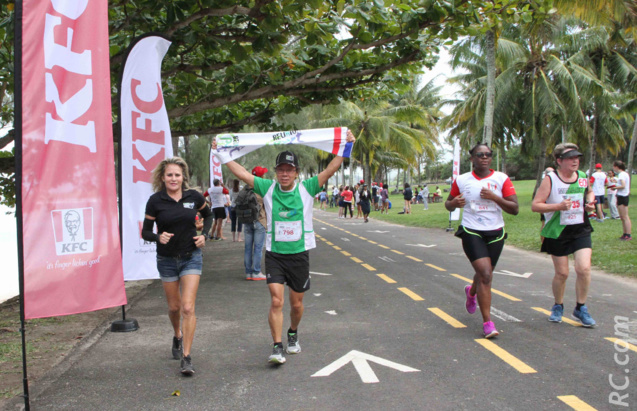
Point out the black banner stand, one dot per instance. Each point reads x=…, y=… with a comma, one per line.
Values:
x=17, y=122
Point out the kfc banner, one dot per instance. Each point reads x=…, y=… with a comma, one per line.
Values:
x=332, y=140
x=146, y=141
x=72, y=258
x=455, y=172
x=215, y=168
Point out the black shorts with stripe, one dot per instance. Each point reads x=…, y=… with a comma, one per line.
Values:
x=290, y=269
x=480, y=244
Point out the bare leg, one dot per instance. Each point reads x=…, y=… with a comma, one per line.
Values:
x=559, y=281
x=296, y=311
x=583, y=271
x=275, y=316
x=189, y=286
x=482, y=285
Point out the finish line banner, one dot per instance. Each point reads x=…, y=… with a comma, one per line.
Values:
x=146, y=141
x=332, y=140
x=72, y=257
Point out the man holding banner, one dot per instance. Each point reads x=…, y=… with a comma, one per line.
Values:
x=288, y=206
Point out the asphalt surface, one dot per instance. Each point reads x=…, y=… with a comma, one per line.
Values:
x=391, y=298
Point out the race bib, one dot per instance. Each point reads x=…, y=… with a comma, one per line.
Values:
x=481, y=206
x=288, y=230
x=576, y=214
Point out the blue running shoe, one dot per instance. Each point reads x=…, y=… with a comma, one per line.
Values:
x=556, y=314
x=584, y=317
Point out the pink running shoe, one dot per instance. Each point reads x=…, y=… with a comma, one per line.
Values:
x=489, y=330
x=472, y=302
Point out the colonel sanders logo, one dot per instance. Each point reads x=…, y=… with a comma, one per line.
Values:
x=73, y=231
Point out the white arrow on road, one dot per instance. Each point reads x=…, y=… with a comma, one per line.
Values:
x=385, y=258
x=360, y=359
x=314, y=272
x=422, y=245
x=378, y=231
x=512, y=274
x=345, y=239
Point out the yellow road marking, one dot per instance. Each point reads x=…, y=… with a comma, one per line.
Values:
x=447, y=318
x=411, y=294
x=414, y=258
x=384, y=246
x=575, y=403
x=356, y=260
x=345, y=253
x=623, y=343
x=372, y=242
x=337, y=247
x=384, y=277
x=505, y=356
x=369, y=267
x=436, y=267
x=329, y=243
x=362, y=238
x=566, y=320
x=493, y=290
x=397, y=252
x=347, y=232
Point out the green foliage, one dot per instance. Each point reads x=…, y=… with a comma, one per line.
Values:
x=7, y=183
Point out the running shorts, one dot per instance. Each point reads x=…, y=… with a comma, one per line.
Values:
x=622, y=201
x=564, y=247
x=290, y=269
x=480, y=244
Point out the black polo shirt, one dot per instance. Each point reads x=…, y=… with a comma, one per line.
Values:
x=176, y=217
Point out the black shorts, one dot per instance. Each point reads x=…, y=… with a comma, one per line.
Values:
x=480, y=244
x=622, y=201
x=562, y=248
x=290, y=269
x=219, y=212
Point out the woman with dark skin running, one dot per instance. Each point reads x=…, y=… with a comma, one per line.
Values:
x=484, y=194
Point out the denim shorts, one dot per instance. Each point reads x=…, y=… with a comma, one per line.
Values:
x=172, y=269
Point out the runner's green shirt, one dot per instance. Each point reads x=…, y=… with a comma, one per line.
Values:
x=290, y=228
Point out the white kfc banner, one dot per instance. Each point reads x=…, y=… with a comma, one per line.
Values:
x=72, y=258
x=146, y=141
x=455, y=172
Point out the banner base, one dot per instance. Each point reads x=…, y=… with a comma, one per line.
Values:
x=124, y=326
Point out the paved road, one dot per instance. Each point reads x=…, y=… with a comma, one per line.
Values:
x=384, y=327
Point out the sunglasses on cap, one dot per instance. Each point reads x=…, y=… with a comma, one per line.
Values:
x=483, y=154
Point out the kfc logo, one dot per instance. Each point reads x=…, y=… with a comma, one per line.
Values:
x=73, y=231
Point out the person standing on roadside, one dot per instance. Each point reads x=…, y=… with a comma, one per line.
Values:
x=623, y=193
x=425, y=196
x=612, y=195
x=384, y=198
x=254, y=235
x=565, y=199
x=289, y=237
x=484, y=194
x=174, y=208
x=217, y=205
x=347, y=195
x=407, y=196
x=236, y=225
x=599, y=181
x=366, y=198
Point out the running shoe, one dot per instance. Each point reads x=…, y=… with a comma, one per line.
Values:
x=489, y=330
x=257, y=277
x=277, y=355
x=556, y=314
x=472, y=302
x=584, y=317
x=249, y=277
x=178, y=348
x=186, y=366
x=293, y=344
x=626, y=237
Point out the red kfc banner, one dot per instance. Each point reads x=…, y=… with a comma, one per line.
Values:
x=215, y=168
x=72, y=256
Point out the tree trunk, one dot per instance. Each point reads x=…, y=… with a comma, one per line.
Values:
x=175, y=146
x=490, y=96
x=591, y=165
x=563, y=133
x=631, y=149
x=540, y=165
x=504, y=161
x=343, y=173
